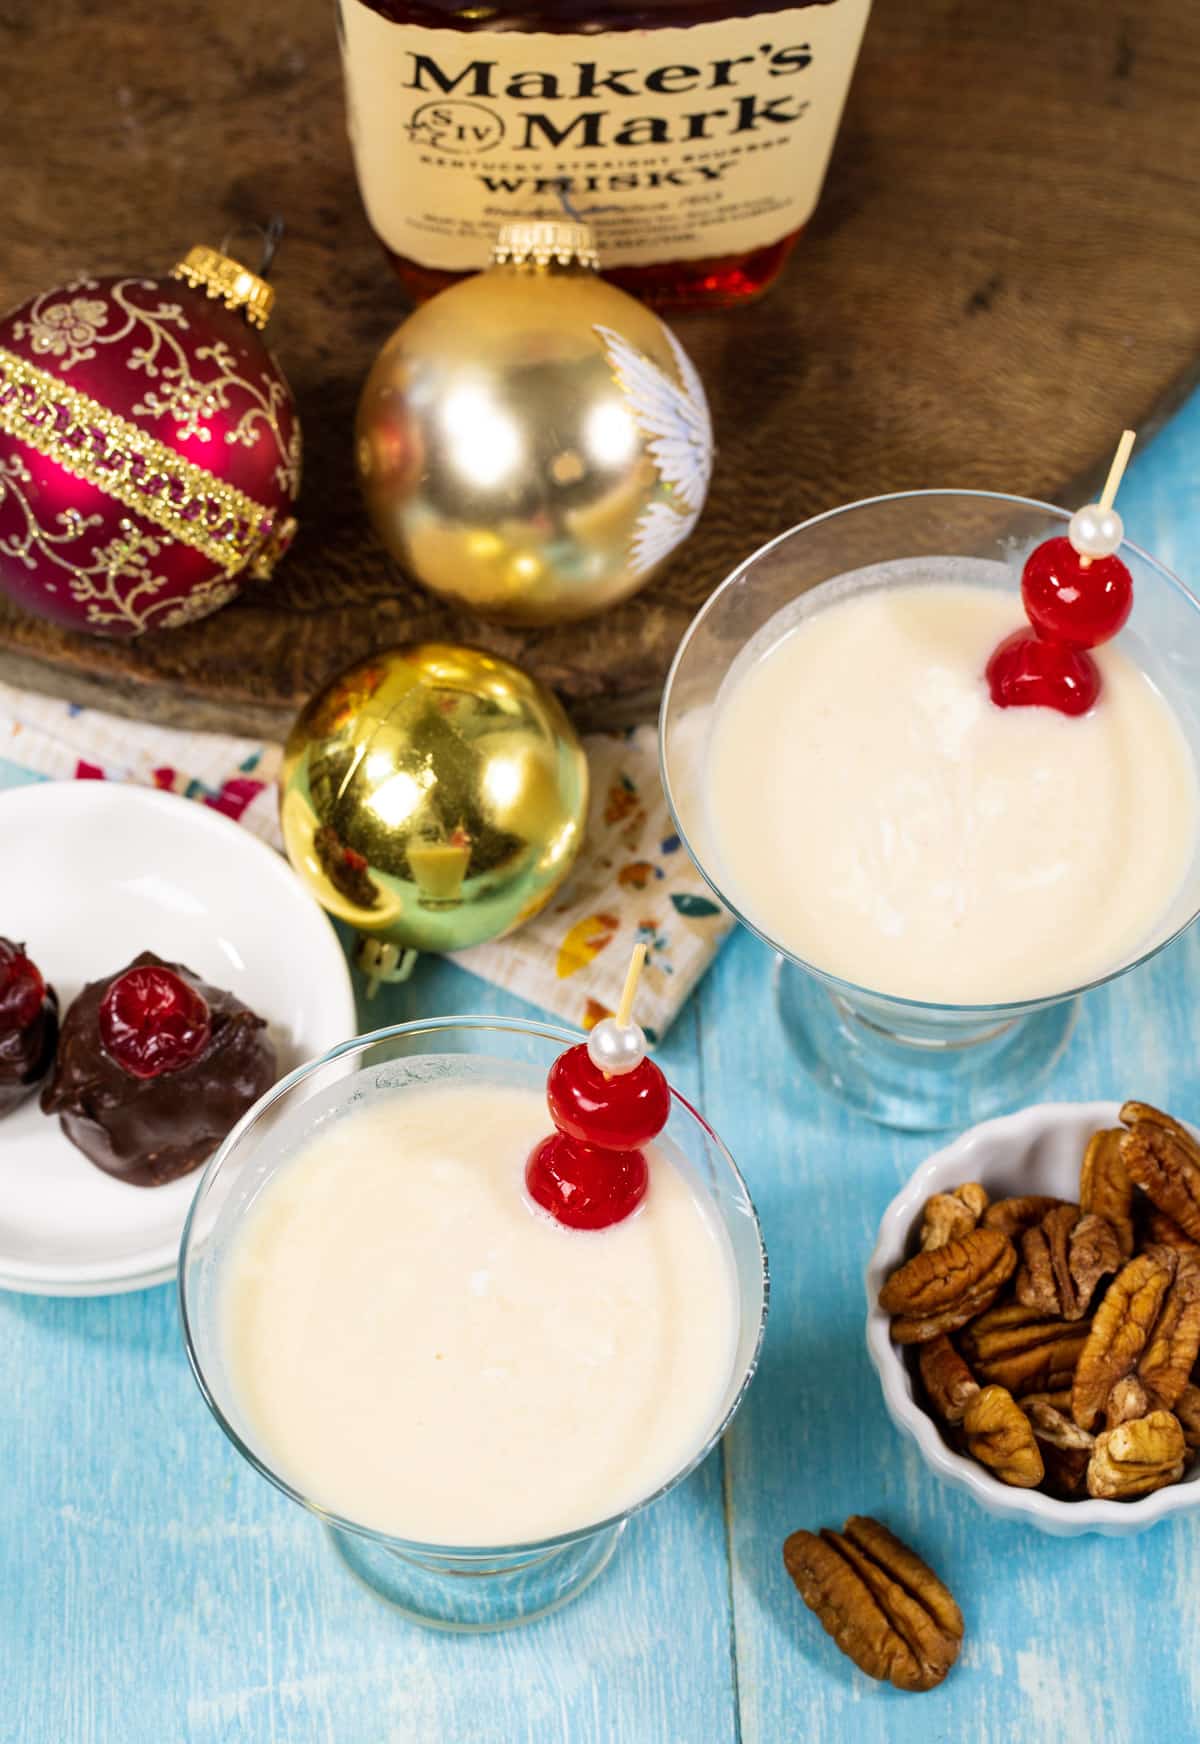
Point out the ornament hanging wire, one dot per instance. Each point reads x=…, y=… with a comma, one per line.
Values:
x=271, y=235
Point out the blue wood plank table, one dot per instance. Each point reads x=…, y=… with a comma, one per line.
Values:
x=153, y=1590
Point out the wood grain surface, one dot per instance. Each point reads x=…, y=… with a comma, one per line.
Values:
x=155, y=1590
x=1001, y=274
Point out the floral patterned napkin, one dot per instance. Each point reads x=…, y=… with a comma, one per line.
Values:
x=632, y=881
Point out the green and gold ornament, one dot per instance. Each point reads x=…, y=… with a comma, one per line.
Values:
x=434, y=797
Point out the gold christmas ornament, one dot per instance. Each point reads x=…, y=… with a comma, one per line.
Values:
x=433, y=796
x=533, y=442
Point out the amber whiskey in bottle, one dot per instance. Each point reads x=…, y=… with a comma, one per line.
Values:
x=692, y=135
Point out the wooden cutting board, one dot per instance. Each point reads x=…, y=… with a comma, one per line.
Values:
x=1001, y=274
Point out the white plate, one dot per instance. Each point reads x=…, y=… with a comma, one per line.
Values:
x=91, y=873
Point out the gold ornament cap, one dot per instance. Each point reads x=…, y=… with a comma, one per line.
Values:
x=226, y=280
x=545, y=242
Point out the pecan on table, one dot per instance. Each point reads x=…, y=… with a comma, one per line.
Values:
x=1000, y=1436
x=1121, y=1327
x=1105, y=1186
x=883, y=1606
x=1063, y=1258
x=942, y=1288
x=948, y=1381
x=1024, y=1350
x=1012, y=1216
x=1136, y=1457
x=947, y=1215
x=1174, y=1344
x=1164, y=1159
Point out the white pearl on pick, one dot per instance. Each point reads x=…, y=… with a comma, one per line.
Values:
x=616, y=1048
x=1095, y=532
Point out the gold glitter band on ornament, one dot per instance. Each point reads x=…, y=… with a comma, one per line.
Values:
x=99, y=446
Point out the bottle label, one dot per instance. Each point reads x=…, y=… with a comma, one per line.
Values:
x=672, y=144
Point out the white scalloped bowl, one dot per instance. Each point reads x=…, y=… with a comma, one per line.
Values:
x=1036, y=1151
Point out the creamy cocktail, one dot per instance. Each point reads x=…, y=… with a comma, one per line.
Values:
x=475, y=1294
x=873, y=811
x=940, y=750
x=420, y=1348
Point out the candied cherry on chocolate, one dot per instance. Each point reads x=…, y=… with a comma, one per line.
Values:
x=22, y=989
x=1075, y=598
x=1025, y=670
x=151, y=1021
x=584, y=1186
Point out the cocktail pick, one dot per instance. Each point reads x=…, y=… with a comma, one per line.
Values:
x=1077, y=593
x=607, y=1100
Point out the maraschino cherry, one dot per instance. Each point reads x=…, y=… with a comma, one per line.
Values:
x=1026, y=670
x=151, y=1021
x=1077, y=593
x=606, y=1100
x=22, y=988
x=1073, y=598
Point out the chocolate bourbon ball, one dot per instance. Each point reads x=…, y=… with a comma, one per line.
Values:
x=154, y=1068
x=28, y=1026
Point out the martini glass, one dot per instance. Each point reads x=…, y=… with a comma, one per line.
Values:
x=909, y=1063
x=455, y=1587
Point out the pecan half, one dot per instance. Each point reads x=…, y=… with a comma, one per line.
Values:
x=1066, y=1471
x=1122, y=1325
x=1164, y=1158
x=1063, y=1258
x=1187, y=1411
x=948, y=1381
x=947, y=1215
x=883, y=1606
x=1058, y=1401
x=942, y=1288
x=1174, y=1344
x=1065, y=1448
x=1000, y=1436
x=1126, y=1401
x=1024, y=1350
x=1011, y=1216
x=1137, y=1457
x=1105, y=1186
x=1163, y=1231
x=1054, y=1427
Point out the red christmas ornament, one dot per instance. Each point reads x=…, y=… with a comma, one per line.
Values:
x=149, y=448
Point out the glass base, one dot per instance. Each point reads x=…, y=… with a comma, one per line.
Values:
x=918, y=1083
x=471, y=1594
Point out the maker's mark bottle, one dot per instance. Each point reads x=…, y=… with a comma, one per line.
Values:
x=692, y=135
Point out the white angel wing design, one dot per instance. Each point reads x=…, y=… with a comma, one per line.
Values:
x=678, y=432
